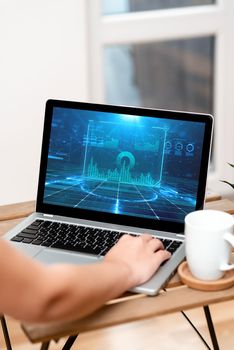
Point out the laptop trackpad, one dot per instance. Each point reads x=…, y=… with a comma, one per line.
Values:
x=49, y=256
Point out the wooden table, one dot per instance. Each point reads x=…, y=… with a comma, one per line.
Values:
x=130, y=307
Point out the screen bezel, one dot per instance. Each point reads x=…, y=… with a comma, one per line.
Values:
x=121, y=219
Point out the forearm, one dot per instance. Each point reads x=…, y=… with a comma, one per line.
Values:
x=75, y=291
x=34, y=292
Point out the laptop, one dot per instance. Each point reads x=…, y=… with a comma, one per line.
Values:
x=109, y=170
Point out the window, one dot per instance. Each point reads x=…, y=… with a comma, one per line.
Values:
x=176, y=74
x=120, y=6
x=167, y=54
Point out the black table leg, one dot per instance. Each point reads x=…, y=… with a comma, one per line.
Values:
x=211, y=327
x=70, y=341
x=196, y=330
x=5, y=333
x=45, y=346
x=67, y=346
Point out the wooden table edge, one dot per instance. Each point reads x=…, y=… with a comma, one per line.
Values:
x=16, y=210
x=177, y=299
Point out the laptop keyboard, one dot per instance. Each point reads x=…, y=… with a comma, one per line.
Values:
x=81, y=239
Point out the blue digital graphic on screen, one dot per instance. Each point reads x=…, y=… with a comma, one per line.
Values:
x=123, y=164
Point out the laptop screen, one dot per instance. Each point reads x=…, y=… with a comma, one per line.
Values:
x=124, y=163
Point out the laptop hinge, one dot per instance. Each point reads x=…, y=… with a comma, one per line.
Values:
x=181, y=235
x=48, y=215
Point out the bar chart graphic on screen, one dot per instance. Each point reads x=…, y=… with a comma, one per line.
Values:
x=133, y=155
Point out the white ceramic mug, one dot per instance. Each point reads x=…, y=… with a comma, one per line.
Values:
x=208, y=243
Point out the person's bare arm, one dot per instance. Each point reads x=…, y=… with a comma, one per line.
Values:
x=34, y=292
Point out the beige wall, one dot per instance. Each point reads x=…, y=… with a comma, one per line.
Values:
x=42, y=55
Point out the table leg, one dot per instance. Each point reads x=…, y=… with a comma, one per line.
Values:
x=45, y=346
x=5, y=333
x=196, y=330
x=211, y=327
x=70, y=341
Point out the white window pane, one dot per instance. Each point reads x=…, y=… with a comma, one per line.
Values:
x=120, y=6
x=175, y=74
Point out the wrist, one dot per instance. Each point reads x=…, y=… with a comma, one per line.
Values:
x=123, y=273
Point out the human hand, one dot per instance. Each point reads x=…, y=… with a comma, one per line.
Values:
x=142, y=255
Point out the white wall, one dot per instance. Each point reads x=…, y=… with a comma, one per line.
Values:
x=43, y=55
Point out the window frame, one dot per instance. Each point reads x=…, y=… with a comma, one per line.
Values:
x=168, y=24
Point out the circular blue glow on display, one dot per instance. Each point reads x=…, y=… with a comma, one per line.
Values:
x=168, y=145
x=122, y=158
x=179, y=146
x=190, y=147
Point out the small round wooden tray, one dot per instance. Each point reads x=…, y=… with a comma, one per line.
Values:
x=227, y=281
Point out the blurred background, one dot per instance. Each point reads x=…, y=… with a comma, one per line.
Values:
x=173, y=54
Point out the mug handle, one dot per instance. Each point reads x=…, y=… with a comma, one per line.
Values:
x=229, y=237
